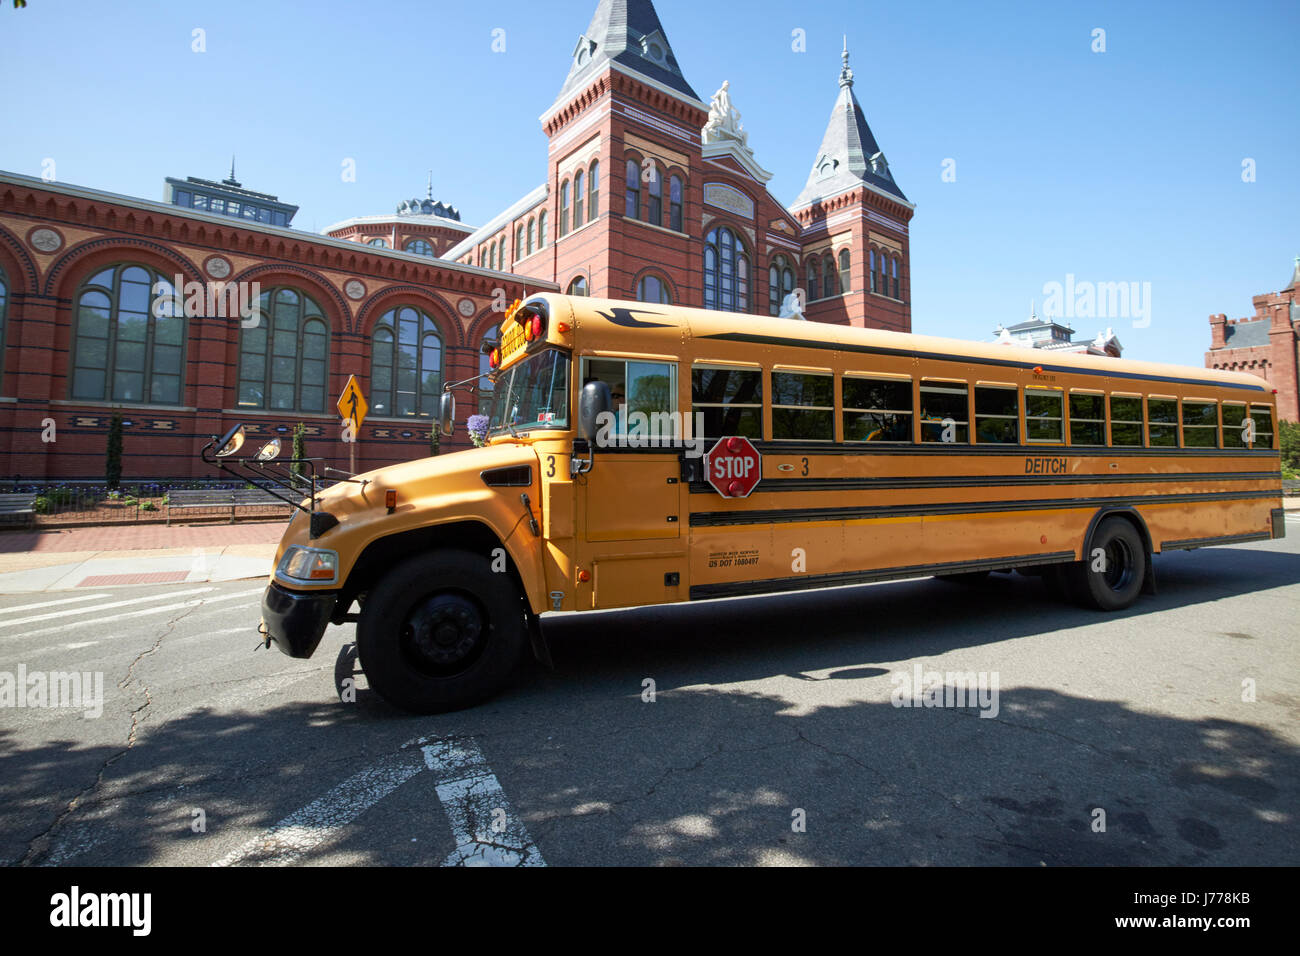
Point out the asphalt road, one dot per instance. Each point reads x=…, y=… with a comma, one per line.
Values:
x=771, y=737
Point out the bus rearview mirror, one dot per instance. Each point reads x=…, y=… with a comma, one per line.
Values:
x=446, y=413
x=592, y=403
x=231, y=442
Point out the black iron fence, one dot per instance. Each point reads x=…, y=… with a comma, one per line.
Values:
x=90, y=502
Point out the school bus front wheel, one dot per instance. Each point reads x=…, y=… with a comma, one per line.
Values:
x=440, y=632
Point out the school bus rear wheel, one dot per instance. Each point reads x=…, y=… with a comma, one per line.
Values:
x=1110, y=576
x=440, y=632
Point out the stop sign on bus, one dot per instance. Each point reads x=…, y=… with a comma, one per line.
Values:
x=733, y=467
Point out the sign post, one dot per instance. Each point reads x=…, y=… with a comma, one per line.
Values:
x=733, y=466
x=353, y=407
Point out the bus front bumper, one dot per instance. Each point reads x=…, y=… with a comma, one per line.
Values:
x=295, y=621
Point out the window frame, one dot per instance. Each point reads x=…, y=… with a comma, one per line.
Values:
x=732, y=367
x=1059, y=393
x=1104, y=420
x=803, y=372
x=948, y=386
x=846, y=409
x=1112, y=421
x=981, y=386
x=305, y=317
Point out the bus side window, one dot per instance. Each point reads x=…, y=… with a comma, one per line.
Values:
x=997, y=415
x=944, y=412
x=1044, y=416
x=649, y=388
x=1087, y=419
x=877, y=409
x=1234, y=425
x=1162, y=422
x=730, y=399
x=1262, y=416
x=1126, y=420
x=1200, y=425
x=803, y=406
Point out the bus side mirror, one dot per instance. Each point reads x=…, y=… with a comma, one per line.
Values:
x=594, y=401
x=230, y=442
x=446, y=413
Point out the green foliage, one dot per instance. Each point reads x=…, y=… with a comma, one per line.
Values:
x=113, y=455
x=41, y=505
x=148, y=506
x=433, y=442
x=299, y=447
x=1289, y=439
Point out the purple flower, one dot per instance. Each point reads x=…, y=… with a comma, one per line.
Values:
x=478, y=427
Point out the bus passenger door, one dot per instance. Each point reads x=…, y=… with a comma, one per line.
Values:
x=631, y=501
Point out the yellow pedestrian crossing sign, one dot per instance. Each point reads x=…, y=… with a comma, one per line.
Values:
x=352, y=404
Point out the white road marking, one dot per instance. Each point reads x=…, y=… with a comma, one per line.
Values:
x=486, y=830
x=144, y=613
x=103, y=607
x=305, y=829
x=71, y=600
x=80, y=645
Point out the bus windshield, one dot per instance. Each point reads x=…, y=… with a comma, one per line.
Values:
x=533, y=394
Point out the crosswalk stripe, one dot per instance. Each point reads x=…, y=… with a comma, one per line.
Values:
x=103, y=607
x=59, y=628
x=305, y=829
x=71, y=600
x=486, y=830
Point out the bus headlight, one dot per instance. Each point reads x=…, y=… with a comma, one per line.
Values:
x=309, y=565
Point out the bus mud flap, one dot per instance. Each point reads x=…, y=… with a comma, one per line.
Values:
x=541, y=650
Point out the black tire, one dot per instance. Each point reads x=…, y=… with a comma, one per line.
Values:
x=965, y=577
x=441, y=631
x=1113, y=568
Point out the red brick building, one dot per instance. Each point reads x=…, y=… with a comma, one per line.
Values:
x=650, y=193
x=1266, y=344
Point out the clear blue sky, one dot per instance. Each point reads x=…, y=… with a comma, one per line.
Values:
x=1117, y=166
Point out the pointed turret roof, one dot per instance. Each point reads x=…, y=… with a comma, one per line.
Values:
x=626, y=33
x=1295, y=278
x=849, y=154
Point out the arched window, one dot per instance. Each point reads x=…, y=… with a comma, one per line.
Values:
x=814, y=280
x=578, y=285
x=871, y=268
x=378, y=243
x=564, y=209
x=577, y=199
x=726, y=272
x=541, y=229
x=122, y=352
x=519, y=242
x=651, y=288
x=283, y=360
x=405, y=363
x=593, y=186
x=829, y=284
x=419, y=247
x=632, y=203
x=675, y=203
x=846, y=277
x=501, y=253
x=655, y=213
x=484, y=383
x=883, y=284
x=893, y=263
x=532, y=234
x=780, y=283
x=492, y=256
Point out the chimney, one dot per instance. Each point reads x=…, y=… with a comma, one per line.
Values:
x=1217, y=323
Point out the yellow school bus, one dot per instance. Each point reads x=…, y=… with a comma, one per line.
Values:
x=644, y=454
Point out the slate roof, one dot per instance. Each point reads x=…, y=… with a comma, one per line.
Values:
x=1246, y=335
x=627, y=33
x=844, y=160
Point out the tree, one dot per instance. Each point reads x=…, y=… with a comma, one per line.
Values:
x=299, y=447
x=113, y=454
x=1289, y=440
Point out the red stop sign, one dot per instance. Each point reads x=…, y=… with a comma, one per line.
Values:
x=733, y=467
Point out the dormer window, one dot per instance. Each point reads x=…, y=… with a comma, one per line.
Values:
x=655, y=49
x=583, y=50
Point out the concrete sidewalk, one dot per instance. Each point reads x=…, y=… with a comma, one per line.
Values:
x=136, y=554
